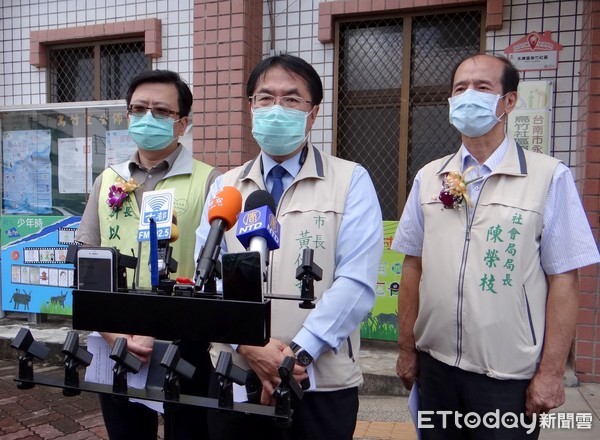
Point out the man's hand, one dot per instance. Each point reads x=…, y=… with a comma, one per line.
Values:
x=407, y=366
x=545, y=392
x=265, y=362
x=139, y=346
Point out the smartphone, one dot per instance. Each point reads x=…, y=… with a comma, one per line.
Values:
x=242, y=276
x=96, y=269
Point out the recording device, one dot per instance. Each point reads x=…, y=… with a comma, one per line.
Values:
x=242, y=276
x=97, y=269
x=222, y=215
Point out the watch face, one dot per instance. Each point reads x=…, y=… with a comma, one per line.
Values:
x=303, y=358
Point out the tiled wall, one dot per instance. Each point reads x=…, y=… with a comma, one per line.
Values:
x=296, y=32
x=23, y=84
x=563, y=18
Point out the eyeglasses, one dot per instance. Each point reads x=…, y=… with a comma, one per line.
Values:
x=157, y=112
x=266, y=100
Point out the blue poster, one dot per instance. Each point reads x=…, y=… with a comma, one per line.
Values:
x=35, y=275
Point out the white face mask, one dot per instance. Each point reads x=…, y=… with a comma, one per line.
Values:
x=473, y=113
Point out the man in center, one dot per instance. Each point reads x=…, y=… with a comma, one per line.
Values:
x=327, y=204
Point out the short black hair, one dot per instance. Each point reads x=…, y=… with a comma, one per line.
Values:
x=510, y=75
x=292, y=64
x=184, y=94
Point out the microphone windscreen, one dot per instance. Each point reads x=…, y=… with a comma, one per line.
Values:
x=174, y=233
x=260, y=198
x=225, y=205
x=174, y=228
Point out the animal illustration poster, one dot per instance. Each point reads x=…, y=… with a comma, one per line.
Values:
x=382, y=322
x=35, y=275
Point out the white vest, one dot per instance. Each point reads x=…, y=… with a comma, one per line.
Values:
x=310, y=212
x=482, y=301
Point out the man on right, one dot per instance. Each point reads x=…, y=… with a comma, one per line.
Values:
x=493, y=237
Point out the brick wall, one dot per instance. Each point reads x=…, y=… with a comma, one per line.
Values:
x=227, y=45
x=587, y=174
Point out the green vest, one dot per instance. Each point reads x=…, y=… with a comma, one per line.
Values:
x=119, y=228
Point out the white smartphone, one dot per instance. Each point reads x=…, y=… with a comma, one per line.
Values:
x=96, y=269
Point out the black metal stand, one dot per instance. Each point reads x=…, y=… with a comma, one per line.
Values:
x=307, y=273
x=75, y=357
x=30, y=349
x=140, y=313
x=176, y=367
x=125, y=363
x=198, y=319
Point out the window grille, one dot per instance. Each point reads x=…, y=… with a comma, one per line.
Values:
x=93, y=72
x=390, y=129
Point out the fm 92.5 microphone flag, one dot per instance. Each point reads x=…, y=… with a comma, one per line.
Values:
x=222, y=215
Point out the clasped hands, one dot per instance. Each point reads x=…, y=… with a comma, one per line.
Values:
x=265, y=362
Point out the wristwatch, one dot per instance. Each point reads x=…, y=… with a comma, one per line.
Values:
x=303, y=357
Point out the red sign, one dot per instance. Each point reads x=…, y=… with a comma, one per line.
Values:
x=534, y=52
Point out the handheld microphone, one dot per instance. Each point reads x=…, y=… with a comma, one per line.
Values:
x=222, y=215
x=258, y=229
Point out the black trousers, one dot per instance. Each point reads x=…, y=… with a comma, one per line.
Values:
x=126, y=420
x=318, y=416
x=458, y=392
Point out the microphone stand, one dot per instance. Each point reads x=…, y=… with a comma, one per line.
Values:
x=307, y=273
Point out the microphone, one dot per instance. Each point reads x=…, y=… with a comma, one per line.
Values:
x=222, y=215
x=161, y=262
x=258, y=229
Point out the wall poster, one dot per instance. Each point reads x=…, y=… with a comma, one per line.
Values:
x=382, y=322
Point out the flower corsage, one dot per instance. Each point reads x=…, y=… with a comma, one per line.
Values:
x=119, y=192
x=454, y=189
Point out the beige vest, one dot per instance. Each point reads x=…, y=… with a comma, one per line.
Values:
x=483, y=292
x=119, y=229
x=309, y=212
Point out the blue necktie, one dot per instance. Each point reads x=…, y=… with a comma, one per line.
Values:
x=277, y=172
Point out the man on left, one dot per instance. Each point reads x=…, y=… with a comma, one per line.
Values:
x=158, y=107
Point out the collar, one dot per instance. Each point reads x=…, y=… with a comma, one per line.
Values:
x=180, y=161
x=291, y=165
x=308, y=164
x=169, y=160
x=490, y=164
x=507, y=159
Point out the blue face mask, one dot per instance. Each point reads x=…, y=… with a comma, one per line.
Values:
x=279, y=131
x=149, y=133
x=473, y=113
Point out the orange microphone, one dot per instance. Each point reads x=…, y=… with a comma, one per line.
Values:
x=222, y=215
x=225, y=205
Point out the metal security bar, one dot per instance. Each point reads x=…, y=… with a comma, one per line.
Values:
x=394, y=79
x=94, y=72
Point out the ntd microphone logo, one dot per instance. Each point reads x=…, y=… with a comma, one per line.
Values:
x=258, y=222
x=251, y=220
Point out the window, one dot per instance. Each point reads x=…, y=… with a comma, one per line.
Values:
x=393, y=85
x=94, y=72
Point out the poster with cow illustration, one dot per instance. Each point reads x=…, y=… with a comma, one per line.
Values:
x=382, y=322
x=35, y=275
